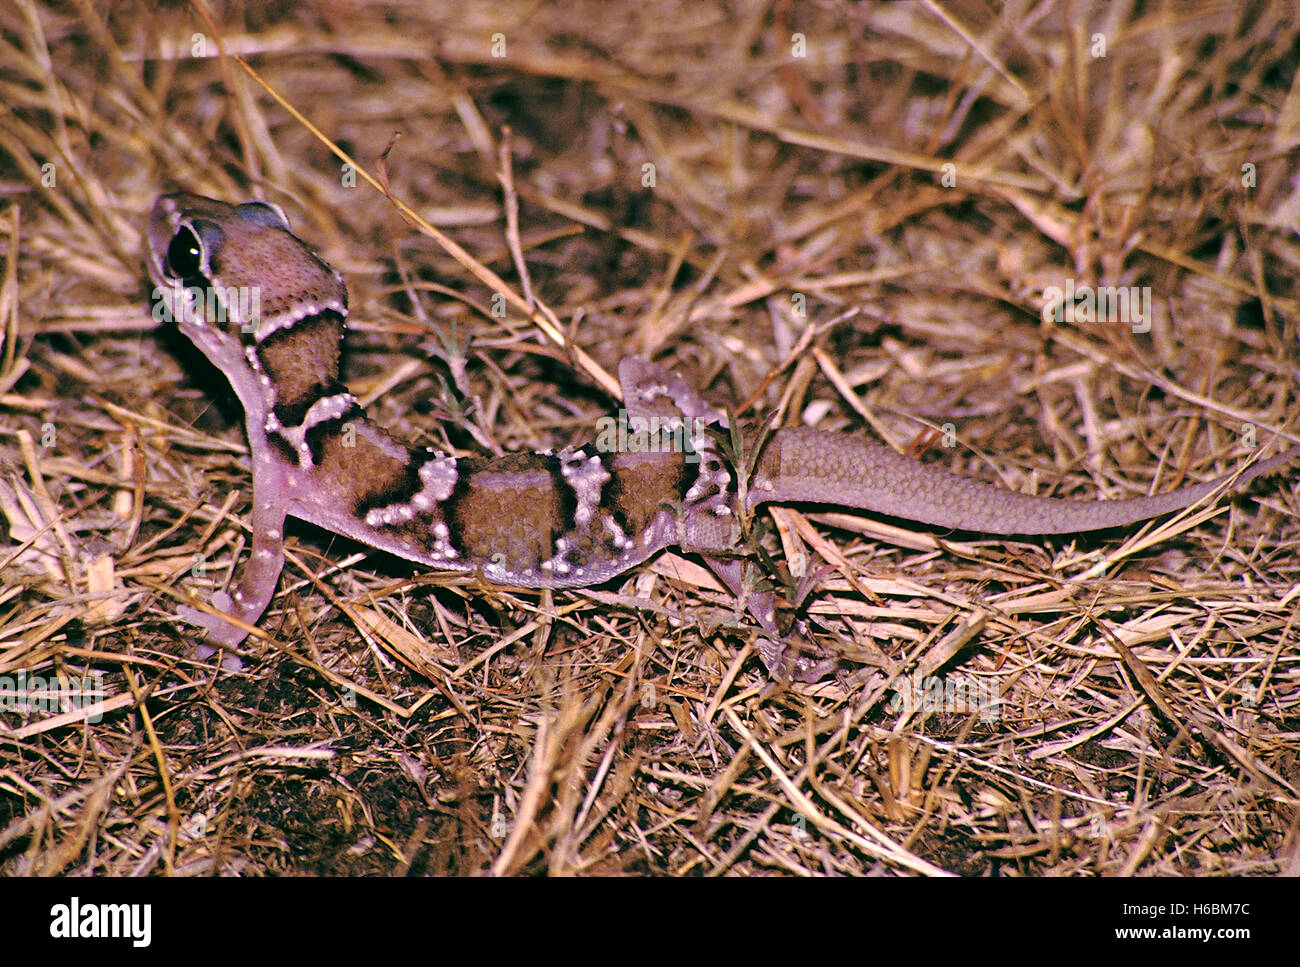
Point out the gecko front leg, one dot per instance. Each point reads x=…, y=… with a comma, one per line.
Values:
x=261, y=573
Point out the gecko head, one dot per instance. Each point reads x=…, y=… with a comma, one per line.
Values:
x=231, y=274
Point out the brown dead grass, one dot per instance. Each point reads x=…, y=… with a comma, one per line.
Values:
x=391, y=721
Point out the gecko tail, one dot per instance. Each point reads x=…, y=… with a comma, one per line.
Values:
x=801, y=465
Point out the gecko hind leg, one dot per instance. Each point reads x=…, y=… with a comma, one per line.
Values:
x=787, y=657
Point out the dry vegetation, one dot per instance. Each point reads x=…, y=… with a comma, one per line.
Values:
x=800, y=253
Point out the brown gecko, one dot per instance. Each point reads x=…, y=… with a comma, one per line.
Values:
x=270, y=314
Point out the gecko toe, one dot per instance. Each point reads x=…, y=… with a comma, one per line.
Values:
x=800, y=661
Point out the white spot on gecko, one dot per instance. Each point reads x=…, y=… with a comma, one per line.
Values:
x=586, y=476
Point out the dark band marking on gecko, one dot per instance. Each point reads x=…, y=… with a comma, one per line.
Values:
x=302, y=362
x=425, y=480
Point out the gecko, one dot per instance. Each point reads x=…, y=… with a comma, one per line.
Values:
x=270, y=315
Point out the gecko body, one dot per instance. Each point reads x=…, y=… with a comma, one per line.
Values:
x=572, y=518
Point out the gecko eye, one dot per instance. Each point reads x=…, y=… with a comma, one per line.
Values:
x=184, y=255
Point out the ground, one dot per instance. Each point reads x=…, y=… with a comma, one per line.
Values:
x=857, y=216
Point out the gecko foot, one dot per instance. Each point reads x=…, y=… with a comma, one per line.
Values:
x=799, y=661
x=221, y=634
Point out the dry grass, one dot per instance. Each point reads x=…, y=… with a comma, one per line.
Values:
x=400, y=722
